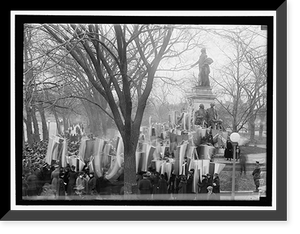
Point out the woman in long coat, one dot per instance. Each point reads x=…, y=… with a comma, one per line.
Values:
x=54, y=182
x=182, y=187
x=72, y=181
x=61, y=186
x=228, y=153
x=162, y=187
x=216, y=185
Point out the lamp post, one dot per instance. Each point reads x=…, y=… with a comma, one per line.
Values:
x=234, y=137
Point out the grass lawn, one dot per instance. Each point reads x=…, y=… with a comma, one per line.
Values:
x=242, y=183
x=252, y=150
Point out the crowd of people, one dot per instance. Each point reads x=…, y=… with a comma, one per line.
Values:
x=41, y=179
x=152, y=185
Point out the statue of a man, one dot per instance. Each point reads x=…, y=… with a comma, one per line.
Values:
x=204, y=70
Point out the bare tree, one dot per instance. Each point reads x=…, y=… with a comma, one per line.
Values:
x=89, y=48
x=240, y=81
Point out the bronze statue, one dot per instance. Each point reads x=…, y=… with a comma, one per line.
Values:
x=204, y=70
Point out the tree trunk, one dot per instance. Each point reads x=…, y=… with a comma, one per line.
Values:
x=28, y=123
x=44, y=122
x=57, y=121
x=251, y=125
x=261, y=126
x=129, y=165
x=234, y=125
x=36, y=135
x=23, y=137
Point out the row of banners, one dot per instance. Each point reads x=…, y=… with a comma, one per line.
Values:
x=98, y=154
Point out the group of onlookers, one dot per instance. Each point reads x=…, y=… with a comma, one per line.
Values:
x=152, y=185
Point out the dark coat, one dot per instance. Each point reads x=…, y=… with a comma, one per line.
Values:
x=216, y=188
x=24, y=187
x=203, y=186
x=72, y=182
x=32, y=185
x=162, y=186
x=61, y=187
x=176, y=185
x=66, y=179
x=182, y=187
x=256, y=173
x=189, y=186
x=154, y=181
x=228, y=153
x=92, y=186
x=145, y=186
x=172, y=183
x=46, y=175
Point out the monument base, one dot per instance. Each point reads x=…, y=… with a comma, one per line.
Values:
x=201, y=95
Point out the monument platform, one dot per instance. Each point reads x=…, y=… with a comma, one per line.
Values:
x=201, y=95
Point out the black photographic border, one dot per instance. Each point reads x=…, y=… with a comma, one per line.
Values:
x=189, y=215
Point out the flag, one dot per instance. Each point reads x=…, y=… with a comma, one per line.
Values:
x=158, y=164
x=49, y=150
x=98, y=156
x=80, y=164
x=106, y=158
x=219, y=167
x=81, y=151
x=182, y=153
x=149, y=154
x=176, y=164
x=91, y=164
x=196, y=178
x=89, y=149
x=64, y=153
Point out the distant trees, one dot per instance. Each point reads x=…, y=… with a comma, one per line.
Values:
x=242, y=80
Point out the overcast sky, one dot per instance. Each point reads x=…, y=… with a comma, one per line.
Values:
x=215, y=48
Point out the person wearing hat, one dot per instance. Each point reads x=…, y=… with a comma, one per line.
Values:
x=31, y=184
x=201, y=116
x=162, y=186
x=182, y=187
x=80, y=183
x=256, y=175
x=203, y=184
x=54, y=182
x=216, y=185
x=212, y=116
x=92, y=184
x=72, y=176
x=145, y=187
x=61, y=186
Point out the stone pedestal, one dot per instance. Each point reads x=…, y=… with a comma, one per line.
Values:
x=201, y=95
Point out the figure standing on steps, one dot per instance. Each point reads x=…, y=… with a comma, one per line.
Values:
x=204, y=70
